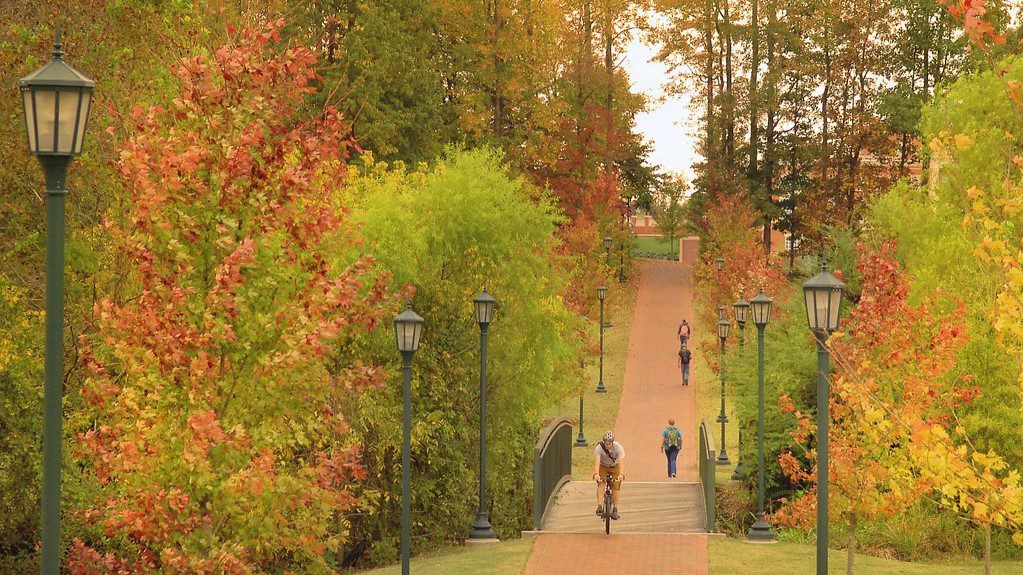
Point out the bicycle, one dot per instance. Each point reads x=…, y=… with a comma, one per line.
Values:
x=609, y=499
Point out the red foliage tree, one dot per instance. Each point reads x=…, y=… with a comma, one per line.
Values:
x=211, y=438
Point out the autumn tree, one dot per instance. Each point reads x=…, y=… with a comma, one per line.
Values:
x=211, y=441
x=893, y=363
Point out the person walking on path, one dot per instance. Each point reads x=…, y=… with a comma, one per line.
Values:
x=684, y=357
x=671, y=444
x=683, y=333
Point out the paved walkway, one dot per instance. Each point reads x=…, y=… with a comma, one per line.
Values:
x=661, y=516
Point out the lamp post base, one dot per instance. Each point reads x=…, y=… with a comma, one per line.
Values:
x=601, y=388
x=580, y=442
x=482, y=531
x=761, y=531
x=723, y=459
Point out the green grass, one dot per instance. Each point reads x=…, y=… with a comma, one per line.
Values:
x=730, y=556
x=654, y=245
x=708, y=396
x=601, y=409
x=504, y=558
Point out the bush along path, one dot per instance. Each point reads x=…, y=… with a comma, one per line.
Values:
x=659, y=532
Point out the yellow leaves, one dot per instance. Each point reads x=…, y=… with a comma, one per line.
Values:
x=973, y=193
x=963, y=141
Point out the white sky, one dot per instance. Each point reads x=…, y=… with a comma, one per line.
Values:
x=668, y=124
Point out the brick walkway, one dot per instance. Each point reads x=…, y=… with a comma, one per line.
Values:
x=585, y=554
x=652, y=393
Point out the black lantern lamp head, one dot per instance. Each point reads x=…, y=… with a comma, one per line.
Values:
x=823, y=298
x=720, y=262
x=601, y=293
x=760, y=307
x=740, y=307
x=408, y=328
x=723, y=326
x=484, y=305
x=56, y=100
x=607, y=243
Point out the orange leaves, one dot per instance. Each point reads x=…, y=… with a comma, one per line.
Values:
x=972, y=12
x=209, y=387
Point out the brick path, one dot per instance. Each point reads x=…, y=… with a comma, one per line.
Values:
x=585, y=554
x=652, y=392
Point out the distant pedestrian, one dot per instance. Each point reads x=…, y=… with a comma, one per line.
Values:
x=671, y=444
x=684, y=357
x=683, y=332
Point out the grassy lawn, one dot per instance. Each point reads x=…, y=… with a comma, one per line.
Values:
x=504, y=558
x=708, y=396
x=730, y=556
x=601, y=409
x=654, y=245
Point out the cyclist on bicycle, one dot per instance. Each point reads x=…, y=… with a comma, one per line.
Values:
x=608, y=464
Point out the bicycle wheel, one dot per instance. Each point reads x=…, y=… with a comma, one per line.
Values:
x=607, y=513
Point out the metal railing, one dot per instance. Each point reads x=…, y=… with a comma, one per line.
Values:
x=708, y=480
x=552, y=466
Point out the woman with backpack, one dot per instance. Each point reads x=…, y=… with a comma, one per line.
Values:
x=671, y=444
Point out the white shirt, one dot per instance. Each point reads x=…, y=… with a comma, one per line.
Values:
x=616, y=450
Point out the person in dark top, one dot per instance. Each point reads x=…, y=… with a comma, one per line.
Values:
x=684, y=357
x=683, y=333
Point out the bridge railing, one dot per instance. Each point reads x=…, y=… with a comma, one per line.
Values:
x=708, y=480
x=552, y=466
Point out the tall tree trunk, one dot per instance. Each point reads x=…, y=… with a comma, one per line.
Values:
x=987, y=549
x=851, y=551
x=585, y=47
x=609, y=103
x=754, y=145
x=708, y=70
x=824, y=111
x=498, y=26
x=730, y=148
x=771, y=125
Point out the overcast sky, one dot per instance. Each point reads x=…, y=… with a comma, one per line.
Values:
x=668, y=124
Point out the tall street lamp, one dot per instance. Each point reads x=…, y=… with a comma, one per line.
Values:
x=56, y=100
x=484, y=305
x=723, y=326
x=580, y=440
x=607, y=250
x=408, y=328
x=740, y=307
x=761, y=308
x=621, y=262
x=823, y=298
x=719, y=263
x=601, y=295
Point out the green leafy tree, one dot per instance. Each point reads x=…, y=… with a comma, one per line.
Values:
x=669, y=208
x=452, y=230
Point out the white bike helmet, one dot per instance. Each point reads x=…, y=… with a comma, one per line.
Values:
x=609, y=436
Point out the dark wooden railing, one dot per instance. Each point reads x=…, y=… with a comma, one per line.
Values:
x=708, y=480
x=552, y=466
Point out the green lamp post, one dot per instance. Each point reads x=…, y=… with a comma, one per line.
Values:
x=601, y=295
x=761, y=308
x=580, y=440
x=408, y=328
x=483, y=305
x=723, y=326
x=741, y=309
x=56, y=100
x=823, y=298
x=607, y=250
